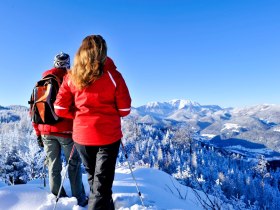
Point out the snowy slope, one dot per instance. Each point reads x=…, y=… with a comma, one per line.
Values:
x=159, y=191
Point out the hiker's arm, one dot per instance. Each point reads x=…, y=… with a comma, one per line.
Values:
x=35, y=126
x=123, y=99
x=63, y=105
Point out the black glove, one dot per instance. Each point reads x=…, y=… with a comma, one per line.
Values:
x=40, y=142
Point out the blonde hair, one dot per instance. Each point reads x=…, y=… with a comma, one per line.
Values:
x=89, y=61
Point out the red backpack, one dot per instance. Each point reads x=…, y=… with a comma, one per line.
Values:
x=42, y=99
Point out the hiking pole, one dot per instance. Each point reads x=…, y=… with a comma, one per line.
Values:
x=44, y=172
x=126, y=156
x=66, y=169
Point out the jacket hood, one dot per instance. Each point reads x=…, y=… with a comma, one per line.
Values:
x=56, y=71
x=109, y=65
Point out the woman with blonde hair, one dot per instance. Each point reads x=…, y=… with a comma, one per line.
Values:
x=95, y=95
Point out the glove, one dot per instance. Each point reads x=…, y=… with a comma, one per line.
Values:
x=40, y=142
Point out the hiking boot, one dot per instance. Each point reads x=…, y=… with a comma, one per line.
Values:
x=83, y=201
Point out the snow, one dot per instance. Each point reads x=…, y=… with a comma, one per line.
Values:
x=276, y=129
x=159, y=191
x=152, y=104
x=148, y=120
x=177, y=103
x=180, y=103
x=231, y=126
x=208, y=136
x=2, y=184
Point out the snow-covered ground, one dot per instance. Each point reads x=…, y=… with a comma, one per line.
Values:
x=159, y=192
x=231, y=126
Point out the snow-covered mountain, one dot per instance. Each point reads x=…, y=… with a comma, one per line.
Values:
x=170, y=108
x=260, y=123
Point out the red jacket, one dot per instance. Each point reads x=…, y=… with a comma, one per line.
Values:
x=98, y=108
x=61, y=128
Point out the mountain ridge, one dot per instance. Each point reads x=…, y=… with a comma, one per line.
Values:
x=258, y=123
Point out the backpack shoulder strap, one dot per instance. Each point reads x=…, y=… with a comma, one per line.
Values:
x=54, y=77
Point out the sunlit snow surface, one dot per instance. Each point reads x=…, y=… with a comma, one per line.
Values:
x=159, y=191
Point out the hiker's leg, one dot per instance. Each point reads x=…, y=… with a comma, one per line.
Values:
x=88, y=156
x=53, y=152
x=74, y=168
x=104, y=176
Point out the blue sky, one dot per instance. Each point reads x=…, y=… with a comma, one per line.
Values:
x=209, y=51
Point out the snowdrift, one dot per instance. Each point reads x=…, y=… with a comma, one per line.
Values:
x=159, y=191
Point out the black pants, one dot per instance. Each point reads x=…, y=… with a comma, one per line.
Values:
x=100, y=162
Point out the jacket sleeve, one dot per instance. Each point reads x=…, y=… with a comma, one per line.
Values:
x=123, y=100
x=63, y=105
x=35, y=126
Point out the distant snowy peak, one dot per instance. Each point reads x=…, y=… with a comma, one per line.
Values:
x=14, y=107
x=176, y=109
x=175, y=103
x=180, y=103
x=153, y=104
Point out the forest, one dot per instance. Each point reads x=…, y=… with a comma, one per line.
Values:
x=232, y=179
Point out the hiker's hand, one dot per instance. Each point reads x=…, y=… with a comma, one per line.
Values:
x=40, y=142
